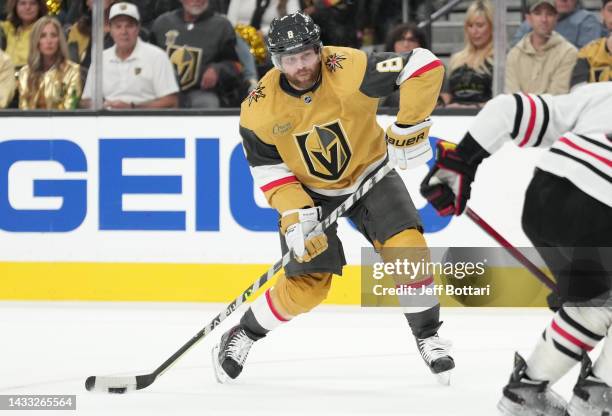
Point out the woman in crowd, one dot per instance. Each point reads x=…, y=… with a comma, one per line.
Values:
x=469, y=78
x=17, y=28
x=49, y=80
x=405, y=37
x=402, y=39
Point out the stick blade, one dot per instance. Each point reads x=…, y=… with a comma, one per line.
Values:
x=117, y=385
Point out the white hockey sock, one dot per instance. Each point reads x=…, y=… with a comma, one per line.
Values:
x=572, y=331
x=266, y=315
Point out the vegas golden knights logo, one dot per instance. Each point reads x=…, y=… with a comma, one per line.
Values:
x=325, y=150
x=186, y=60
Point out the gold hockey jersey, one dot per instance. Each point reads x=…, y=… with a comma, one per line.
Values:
x=327, y=138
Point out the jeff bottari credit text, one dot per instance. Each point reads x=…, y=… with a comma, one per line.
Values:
x=423, y=270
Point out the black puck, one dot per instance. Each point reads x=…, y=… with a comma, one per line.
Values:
x=90, y=383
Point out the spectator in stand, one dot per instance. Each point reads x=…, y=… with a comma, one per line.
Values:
x=202, y=46
x=469, y=82
x=21, y=16
x=337, y=20
x=79, y=36
x=406, y=37
x=49, y=80
x=576, y=25
x=595, y=59
x=259, y=14
x=163, y=6
x=542, y=62
x=7, y=80
x=606, y=17
x=135, y=74
x=375, y=17
x=402, y=39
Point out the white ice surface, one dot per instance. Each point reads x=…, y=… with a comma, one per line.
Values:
x=333, y=361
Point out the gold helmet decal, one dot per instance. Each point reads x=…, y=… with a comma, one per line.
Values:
x=325, y=150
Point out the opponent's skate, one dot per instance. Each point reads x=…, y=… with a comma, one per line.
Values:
x=592, y=397
x=525, y=397
x=435, y=353
x=230, y=353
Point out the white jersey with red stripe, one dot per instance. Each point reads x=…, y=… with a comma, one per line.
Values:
x=576, y=127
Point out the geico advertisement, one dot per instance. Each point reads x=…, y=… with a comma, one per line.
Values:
x=178, y=189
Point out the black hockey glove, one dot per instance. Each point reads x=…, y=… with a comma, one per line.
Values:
x=448, y=185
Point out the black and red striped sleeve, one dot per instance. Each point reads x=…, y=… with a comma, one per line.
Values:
x=524, y=119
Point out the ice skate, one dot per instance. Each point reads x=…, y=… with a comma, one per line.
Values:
x=525, y=397
x=435, y=353
x=592, y=397
x=230, y=353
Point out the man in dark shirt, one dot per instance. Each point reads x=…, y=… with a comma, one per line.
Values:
x=201, y=45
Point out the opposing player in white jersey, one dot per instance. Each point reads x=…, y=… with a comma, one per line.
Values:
x=567, y=215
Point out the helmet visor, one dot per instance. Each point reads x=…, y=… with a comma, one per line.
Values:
x=290, y=61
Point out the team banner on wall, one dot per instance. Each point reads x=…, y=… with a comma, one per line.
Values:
x=176, y=191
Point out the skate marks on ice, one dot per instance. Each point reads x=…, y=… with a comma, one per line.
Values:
x=334, y=361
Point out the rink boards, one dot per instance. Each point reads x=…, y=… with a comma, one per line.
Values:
x=163, y=208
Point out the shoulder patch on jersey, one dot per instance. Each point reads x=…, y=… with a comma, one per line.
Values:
x=334, y=61
x=256, y=94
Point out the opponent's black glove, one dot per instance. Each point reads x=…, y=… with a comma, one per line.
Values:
x=448, y=185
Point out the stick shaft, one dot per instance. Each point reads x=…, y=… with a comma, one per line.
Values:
x=535, y=270
x=244, y=296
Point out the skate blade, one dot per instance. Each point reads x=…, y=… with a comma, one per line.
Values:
x=220, y=374
x=507, y=407
x=444, y=377
x=578, y=407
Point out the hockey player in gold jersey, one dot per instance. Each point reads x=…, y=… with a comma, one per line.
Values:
x=311, y=138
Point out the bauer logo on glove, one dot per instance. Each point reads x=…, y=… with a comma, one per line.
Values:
x=409, y=147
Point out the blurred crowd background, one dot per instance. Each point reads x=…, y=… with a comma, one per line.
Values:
x=210, y=53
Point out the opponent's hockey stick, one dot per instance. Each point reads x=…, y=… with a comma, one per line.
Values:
x=535, y=270
x=130, y=383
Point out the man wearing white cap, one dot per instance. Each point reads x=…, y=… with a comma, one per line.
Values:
x=135, y=74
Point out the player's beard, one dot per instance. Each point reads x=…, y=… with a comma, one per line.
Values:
x=305, y=78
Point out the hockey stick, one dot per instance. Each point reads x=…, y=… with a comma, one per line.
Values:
x=130, y=383
x=535, y=270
